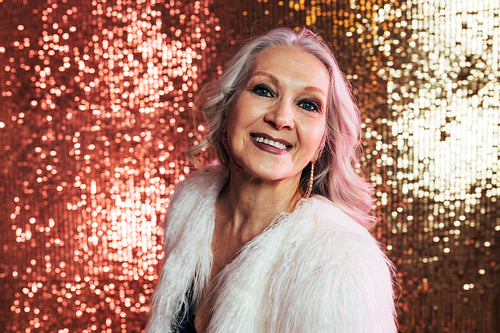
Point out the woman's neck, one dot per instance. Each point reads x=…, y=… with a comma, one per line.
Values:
x=250, y=204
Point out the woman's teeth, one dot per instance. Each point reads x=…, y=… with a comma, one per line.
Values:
x=278, y=145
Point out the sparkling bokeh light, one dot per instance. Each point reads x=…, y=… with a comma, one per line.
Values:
x=97, y=114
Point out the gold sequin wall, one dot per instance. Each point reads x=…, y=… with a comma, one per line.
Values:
x=96, y=115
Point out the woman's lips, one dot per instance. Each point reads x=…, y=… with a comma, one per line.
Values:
x=270, y=144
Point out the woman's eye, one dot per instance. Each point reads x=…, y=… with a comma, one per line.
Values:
x=263, y=91
x=309, y=106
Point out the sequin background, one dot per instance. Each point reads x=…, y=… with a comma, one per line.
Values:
x=96, y=115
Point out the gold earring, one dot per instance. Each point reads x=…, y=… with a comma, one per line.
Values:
x=311, y=181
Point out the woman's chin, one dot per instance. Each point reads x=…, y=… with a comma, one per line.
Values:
x=264, y=173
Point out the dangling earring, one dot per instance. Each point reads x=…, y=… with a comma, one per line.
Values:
x=311, y=181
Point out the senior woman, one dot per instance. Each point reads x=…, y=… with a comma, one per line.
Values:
x=274, y=239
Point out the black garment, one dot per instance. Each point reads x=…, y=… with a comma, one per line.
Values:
x=187, y=323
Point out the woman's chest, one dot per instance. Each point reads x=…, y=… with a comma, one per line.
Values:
x=246, y=282
x=223, y=252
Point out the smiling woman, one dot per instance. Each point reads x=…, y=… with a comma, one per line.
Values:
x=274, y=239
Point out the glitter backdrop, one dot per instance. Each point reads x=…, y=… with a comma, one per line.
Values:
x=96, y=115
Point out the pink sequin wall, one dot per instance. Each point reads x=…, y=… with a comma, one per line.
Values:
x=96, y=115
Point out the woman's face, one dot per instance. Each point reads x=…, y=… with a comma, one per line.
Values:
x=277, y=122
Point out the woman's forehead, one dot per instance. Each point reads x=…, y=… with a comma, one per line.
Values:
x=293, y=64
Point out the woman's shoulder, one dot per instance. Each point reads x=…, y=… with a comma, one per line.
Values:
x=193, y=198
x=203, y=179
x=204, y=183
x=329, y=218
x=342, y=239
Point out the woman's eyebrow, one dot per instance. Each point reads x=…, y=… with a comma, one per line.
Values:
x=261, y=73
x=315, y=89
x=276, y=81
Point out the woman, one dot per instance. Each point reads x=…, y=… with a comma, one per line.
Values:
x=274, y=239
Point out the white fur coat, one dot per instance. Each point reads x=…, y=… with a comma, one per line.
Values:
x=313, y=270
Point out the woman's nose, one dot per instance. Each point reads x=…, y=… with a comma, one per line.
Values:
x=281, y=115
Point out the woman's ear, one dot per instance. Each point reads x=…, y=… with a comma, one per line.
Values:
x=317, y=154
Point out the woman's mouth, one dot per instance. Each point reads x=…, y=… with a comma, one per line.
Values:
x=270, y=144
